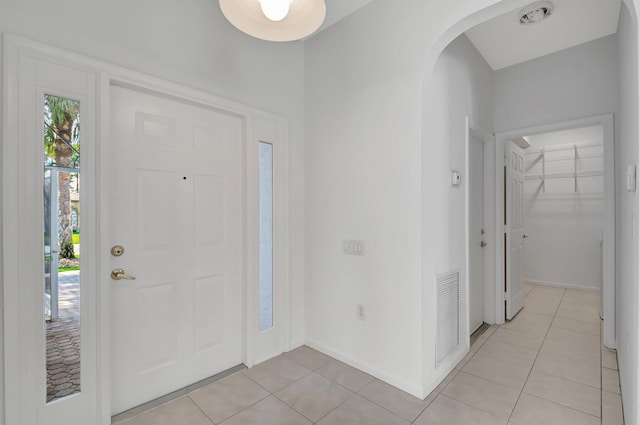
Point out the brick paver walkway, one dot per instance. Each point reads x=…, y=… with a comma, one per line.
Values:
x=63, y=340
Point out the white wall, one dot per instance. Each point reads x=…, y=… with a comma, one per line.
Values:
x=570, y=84
x=564, y=225
x=462, y=86
x=362, y=182
x=365, y=175
x=627, y=323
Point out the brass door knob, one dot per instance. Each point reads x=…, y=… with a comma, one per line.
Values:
x=119, y=274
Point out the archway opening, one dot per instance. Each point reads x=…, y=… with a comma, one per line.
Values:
x=573, y=83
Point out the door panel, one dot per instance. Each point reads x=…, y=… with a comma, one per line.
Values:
x=177, y=208
x=476, y=233
x=209, y=312
x=515, y=230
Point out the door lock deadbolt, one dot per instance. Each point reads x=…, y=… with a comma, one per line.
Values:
x=117, y=250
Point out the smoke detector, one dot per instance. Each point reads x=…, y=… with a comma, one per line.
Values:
x=536, y=12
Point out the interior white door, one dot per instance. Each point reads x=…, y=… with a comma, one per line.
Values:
x=514, y=192
x=177, y=207
x=476, y=233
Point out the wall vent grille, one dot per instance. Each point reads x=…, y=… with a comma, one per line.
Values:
x=448, y=314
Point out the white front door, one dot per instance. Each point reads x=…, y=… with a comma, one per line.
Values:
x=476, y=233
x=177, y=208
x=514, y=230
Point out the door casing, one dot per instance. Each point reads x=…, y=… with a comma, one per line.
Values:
x=259, y=126
x=608, y=293
x=475, y=130
x=476, y=232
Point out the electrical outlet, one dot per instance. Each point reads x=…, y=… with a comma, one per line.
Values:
x=360, y=313
x=353, y=247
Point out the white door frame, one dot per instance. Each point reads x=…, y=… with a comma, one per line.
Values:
x=472, y=128
x=259, y=126
x=28, y=78
x=608, y=293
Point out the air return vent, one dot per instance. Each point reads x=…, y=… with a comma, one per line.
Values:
x=448, y=314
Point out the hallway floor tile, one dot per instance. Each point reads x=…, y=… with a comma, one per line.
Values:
x=545, y=367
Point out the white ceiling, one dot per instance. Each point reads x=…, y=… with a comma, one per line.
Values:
x=503, y=41
x=338, y=9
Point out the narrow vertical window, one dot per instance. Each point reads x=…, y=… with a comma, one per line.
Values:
x=61, y=246
x=266, y=235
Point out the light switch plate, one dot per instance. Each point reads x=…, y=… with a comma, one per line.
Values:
x=631, y=178
x=456, y=178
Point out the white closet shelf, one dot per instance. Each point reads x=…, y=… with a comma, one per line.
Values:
x=570, y=175
x=572, y=157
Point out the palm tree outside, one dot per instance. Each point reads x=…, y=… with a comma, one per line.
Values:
x=63, y=150
x=61, y=287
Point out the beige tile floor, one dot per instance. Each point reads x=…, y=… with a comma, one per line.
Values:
x=545, y=367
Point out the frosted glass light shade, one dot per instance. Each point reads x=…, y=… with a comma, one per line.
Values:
x=275, y=10
x=304, y=17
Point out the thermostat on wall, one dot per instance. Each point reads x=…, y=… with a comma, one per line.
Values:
x=456, y=178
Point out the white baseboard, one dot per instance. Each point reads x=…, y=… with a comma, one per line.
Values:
x=563, y=285
x=295, y=344
x=410, y=388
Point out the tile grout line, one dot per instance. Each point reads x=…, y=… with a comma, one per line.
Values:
x=200, y=409
x=247, y=407
x=474, y=407
x=535, y=360
x=326, y=377
x=270, y=394
x=351, y=394
x=443, y=388
x=572, y=381
x=382, y=407
x=562, y=405
x=458, y=372
x=335, y=408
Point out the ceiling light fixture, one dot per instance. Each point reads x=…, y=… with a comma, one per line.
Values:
x=275, y=10
x=536, y=12
x=275, y=20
